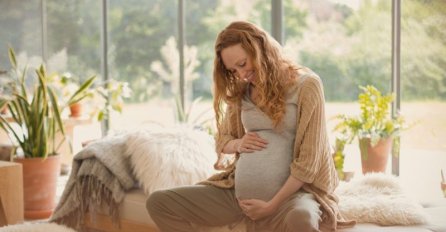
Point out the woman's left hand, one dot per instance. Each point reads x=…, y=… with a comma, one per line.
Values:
x=256, y=209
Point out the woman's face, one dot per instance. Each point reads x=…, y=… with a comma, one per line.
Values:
x=238, y=62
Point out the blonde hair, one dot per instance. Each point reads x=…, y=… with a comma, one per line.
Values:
x=272, y=71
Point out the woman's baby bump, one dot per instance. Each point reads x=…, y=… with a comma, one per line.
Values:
x=260, y=174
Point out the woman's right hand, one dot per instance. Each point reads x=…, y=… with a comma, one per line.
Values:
x=251, y=142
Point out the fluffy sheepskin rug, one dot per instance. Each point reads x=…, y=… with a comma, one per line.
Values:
x=378, y=198
x=170, y=156
x=36, y=227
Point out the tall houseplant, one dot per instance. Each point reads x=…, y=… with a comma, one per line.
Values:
x=374, y=127
x=34, y=125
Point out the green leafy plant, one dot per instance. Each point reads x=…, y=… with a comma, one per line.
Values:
x=35, y=112
x=112, y=94
x=339, y=156
x=374, y=121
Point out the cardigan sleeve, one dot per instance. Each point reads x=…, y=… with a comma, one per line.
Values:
x=311, y=135
x=228, y=131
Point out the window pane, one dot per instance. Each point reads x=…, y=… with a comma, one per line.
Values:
x=346, y=44
x=143, y=52
x=73, y=39
x=20, y=30
x=20, y=23
x=73, y=50
x=423, y=85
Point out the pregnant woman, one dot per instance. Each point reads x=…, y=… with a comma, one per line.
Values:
x=260, y=173
x=282, y=177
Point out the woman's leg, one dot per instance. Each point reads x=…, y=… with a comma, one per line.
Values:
x=301, y=213
x=304, y=214
x=174, y=210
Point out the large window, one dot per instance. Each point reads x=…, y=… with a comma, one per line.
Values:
x=347, y=42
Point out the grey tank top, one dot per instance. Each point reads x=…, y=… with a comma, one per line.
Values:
x=260, y=174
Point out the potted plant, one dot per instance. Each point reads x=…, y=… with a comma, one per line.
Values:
x=374, y=128
x=103, y=98
x=67, y=86
x=34, y=125
x=109, y=96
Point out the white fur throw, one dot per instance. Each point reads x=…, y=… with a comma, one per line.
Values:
x=169, y=157
x=378, y=198
x=36, y=227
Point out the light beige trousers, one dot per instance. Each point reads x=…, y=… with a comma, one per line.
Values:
x=174, y=210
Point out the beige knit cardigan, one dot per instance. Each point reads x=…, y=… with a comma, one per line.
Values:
x=312, y=164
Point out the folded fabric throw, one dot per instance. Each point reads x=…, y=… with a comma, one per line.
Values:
x=100, y=175
x=156, y=159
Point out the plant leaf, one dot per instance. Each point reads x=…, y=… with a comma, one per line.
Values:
x=12, y=58
x=81, y=92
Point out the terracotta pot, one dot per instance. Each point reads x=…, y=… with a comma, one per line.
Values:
x=76, y=110
x=374, y=159
x=39, y=185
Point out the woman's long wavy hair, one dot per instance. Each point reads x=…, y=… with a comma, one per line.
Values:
x=272, y=71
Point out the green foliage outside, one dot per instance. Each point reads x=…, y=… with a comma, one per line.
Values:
x=347, y=47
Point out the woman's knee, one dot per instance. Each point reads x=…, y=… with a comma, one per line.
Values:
x=155, y=202
x=302, y=220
